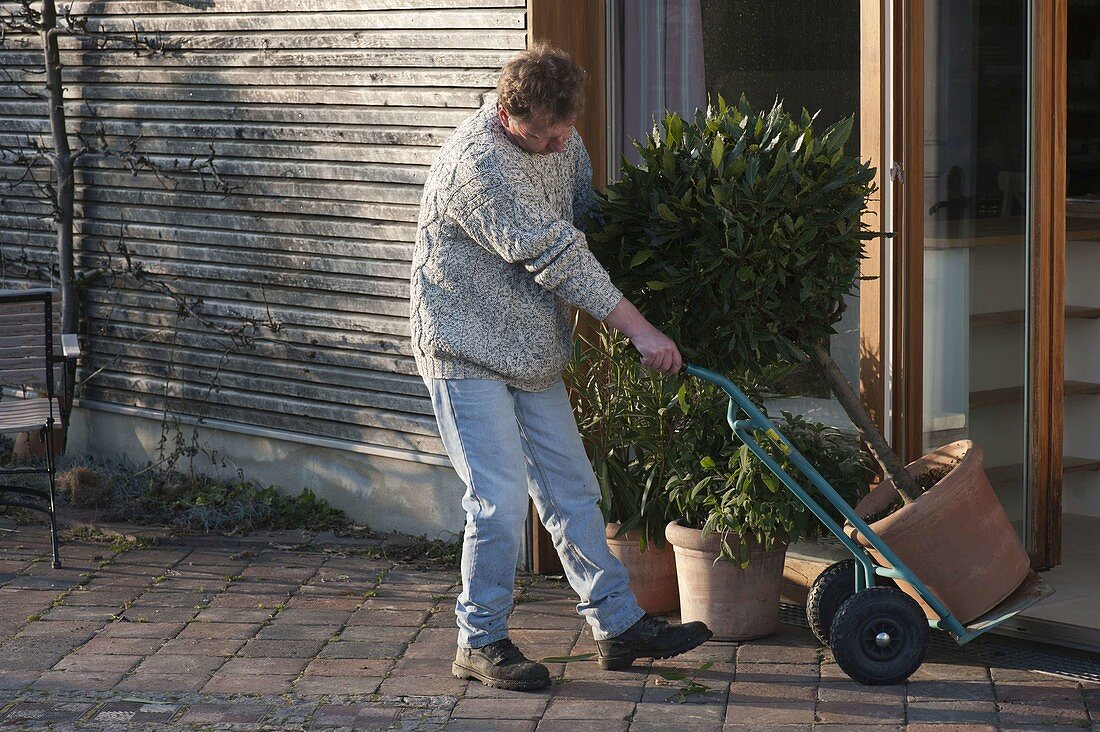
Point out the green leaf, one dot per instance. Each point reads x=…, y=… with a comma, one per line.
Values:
x=641, y=256
x=673, y=675
x=567, y=659
x=656, y=285
x=717, y=151
x=666, y=213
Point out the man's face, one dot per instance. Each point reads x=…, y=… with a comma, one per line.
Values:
x=537, y=134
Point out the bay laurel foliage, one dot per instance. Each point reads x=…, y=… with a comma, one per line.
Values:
x=662, y=450
x=739, y=232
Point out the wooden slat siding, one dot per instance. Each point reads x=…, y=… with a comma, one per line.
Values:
x=327, y=116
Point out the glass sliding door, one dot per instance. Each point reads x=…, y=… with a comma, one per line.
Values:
x=975, y=234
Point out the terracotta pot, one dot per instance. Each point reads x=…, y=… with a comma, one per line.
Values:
x=735, y=603
x=955, y=537
x=652, y=572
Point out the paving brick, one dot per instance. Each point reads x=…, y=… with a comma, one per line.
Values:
x=502, y=725
x=948, y=690
x=1037, y=691
x=1043, y=713
x=41, y=713
x=173, y=683
x=952, y=712
x=765, y=653
x=226, y=713
x=341, y=685
x=270, y=684
x=582, y=725
x=108, y=645
x=125, y=629
x=202, y=647
x=768, y=713
x=579, y=709
x=78, y=680
x=364, y=649
x=921, y=727
x=678, y=715
x=600, y=690
x=290, y=631
x=530, y=707
x=353, y=716
x=134, y=713
x=856, y=712
x=423, y=686
x=410, y=618
x=234, y=615
x=261, y=666
x=388, y=634
x=282, y=648
x=92, y=662
x=349, y=667
x=171, y=664
x=207, y=630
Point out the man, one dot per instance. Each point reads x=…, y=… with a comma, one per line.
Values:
x=498, y=266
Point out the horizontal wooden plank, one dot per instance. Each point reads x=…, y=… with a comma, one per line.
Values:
x=360, y=96
x=272, y=58
x=289, y=225
x=12, y=375
x=202, y=394
x=344, y=430
x=155, y=7
x=306, y=21
x=314, y=151
x=401, y=182
x=271, y=40
x=17, y=232
x=397, y=116
x=281, y=360
x=318, y=328
x=307, y=81
x=249, y=259
x=307, y=208
x=296, y=382
x=278, y=284
x=306, y=345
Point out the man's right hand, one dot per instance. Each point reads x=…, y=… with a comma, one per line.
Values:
x=658, y=351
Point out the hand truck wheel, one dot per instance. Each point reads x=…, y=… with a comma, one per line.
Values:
x=879, y=636
x=828, y=592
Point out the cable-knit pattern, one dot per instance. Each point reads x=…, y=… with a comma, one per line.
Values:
x=499, y=261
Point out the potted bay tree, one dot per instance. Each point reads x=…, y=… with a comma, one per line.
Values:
x=740, y=233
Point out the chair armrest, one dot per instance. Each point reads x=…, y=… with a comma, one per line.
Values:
x=70, y=346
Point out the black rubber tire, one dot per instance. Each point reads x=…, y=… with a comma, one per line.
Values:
x=828, y=592
x=860, y=620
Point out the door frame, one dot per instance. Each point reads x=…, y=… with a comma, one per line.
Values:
x=1046, y=284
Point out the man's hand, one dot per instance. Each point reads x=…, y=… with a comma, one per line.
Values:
x=658, y=351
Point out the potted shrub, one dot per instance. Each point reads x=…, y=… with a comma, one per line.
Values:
x=740, y=232
x=737, y=519
x=621, y=410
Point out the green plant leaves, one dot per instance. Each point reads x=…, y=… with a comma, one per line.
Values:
x=696, y=233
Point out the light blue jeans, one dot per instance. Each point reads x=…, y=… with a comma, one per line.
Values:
x=504, y=443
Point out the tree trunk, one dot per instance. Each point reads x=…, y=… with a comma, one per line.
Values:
x=63, y=167
x=907, y=487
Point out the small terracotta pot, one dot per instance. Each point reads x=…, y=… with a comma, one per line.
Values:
x=955, y=537
x=652, y=572
x=735, y=603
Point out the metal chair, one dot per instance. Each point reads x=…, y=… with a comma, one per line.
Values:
x=28, y=371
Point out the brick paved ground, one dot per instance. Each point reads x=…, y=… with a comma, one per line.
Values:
x=254, y=634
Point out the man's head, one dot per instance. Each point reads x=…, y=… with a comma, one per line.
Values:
x=539, y=95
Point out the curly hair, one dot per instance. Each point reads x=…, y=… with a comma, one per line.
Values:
x=543, y=80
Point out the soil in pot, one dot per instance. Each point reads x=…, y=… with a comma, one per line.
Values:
x=652, y=572
x=735, y=603
x=955, y=536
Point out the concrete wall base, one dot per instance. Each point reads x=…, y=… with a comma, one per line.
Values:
x=383, y=492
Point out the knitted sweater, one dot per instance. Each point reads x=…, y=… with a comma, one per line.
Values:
x=499, y=261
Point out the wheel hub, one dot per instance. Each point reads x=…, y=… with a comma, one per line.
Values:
x=882, y=638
